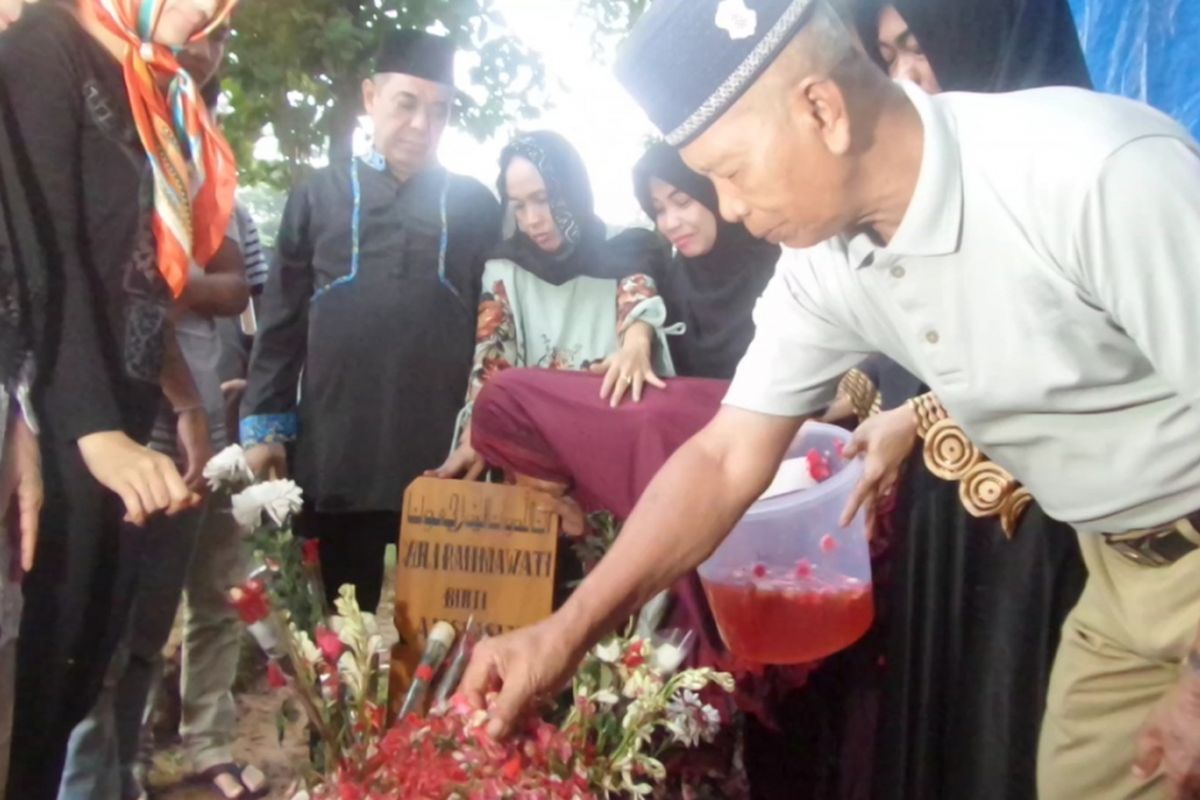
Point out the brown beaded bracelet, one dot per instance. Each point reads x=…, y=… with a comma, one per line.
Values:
x=929, y=412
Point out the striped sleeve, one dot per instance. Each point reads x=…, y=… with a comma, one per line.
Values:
x=252, y=252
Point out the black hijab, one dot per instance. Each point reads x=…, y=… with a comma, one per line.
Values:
x=713, y=294
x=586, y=250
x=990, y=45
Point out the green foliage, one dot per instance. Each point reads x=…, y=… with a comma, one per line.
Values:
x=599, y=536
x=265, y=205
x=612, y=19
x=292, y=581
x=295, y=71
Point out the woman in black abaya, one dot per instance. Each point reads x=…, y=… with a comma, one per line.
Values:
x=972, y=612
x=718, y=270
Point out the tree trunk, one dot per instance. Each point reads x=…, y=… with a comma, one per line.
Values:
x=347, y=93
x=343, y=120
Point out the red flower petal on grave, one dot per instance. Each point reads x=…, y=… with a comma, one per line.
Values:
x=376, y=716
x=330, y=645
x=634, y=657
x=275, y=677
x=459, y=704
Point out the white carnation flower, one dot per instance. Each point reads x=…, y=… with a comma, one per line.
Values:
x=277, y=499
x=682, y=718
x=691, y=721
x=228, y=469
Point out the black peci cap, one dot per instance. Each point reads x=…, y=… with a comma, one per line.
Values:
x=417, y=53
x=687, y=61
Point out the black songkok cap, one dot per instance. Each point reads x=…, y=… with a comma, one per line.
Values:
x=687, y=61
x=417, y=53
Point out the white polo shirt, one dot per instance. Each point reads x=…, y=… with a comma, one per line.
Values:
x=1045, y=283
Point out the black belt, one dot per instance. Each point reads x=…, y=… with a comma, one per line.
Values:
x=1159, y=547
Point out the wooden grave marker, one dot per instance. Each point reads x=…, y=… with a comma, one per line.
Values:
x=469, y=549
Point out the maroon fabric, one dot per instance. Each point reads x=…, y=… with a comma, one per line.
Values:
x=553, y=426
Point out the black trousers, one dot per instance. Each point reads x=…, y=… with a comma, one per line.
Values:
x=77, y=601
x=352, y=548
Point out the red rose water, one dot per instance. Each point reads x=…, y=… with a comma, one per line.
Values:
x=774, y=613
x=771, y=616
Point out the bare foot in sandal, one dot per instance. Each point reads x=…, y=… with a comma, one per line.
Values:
x=231, y=782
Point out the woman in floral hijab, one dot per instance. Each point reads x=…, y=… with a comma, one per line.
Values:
x=560, y=292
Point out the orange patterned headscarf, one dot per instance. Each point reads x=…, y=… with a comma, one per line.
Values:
x=195, y=175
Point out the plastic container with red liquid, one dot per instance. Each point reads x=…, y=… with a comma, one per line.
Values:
x=789, y=585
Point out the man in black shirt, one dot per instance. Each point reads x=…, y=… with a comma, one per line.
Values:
x=372, y=300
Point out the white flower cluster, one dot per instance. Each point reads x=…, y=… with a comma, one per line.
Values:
x=278, y=500
x=228, y=470
x=691, y=721
x=635, y=679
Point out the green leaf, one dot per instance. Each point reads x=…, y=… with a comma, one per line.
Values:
x=318, y=51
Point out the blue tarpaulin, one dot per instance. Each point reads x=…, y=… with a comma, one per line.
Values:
x=1145, y=49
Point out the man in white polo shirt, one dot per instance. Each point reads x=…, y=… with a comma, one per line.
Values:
x=1033, y=257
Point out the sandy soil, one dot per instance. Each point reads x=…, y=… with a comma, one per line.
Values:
x=258, y=743
x=276, y=746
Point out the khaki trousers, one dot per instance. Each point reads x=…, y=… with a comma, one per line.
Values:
x=211, y=641
x=1122, y=649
